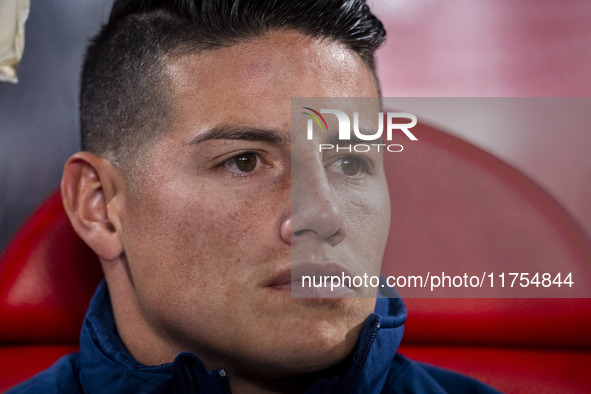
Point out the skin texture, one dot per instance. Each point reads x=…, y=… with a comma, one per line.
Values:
x=191, y=244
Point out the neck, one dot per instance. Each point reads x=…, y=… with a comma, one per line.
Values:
x=245, y=383
x=132, y=327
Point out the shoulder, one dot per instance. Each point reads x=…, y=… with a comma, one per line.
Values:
x=61, y=377
x=412, y=376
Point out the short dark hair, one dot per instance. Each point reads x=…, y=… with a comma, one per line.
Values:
x=124, y=98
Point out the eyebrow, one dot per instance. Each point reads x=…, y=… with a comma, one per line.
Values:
x=334, y=140
x=246, y=133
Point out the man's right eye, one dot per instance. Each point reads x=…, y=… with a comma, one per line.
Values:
x=242, y=163
x=246, y=162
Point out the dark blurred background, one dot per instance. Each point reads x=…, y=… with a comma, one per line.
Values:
x=39, y=115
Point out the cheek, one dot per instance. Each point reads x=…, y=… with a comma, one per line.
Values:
x=191, y=259
x=193, y=240
x=367, y=219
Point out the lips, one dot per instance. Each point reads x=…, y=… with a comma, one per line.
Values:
x=313, y=280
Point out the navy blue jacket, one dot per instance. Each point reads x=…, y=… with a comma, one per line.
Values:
x=104, y=365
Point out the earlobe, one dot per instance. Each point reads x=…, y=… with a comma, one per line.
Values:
x=87, y=189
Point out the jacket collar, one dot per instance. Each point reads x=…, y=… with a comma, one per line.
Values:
x=105, y=362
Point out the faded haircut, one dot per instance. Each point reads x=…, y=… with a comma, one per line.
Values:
x=124, y=94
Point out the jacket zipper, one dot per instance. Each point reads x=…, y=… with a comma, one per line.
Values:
x=374, y=330
x=225, y=381
x=190, y=378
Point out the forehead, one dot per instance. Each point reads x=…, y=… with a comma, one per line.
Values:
x=257, y=78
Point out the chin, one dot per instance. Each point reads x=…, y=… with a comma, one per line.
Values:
x=316, y=347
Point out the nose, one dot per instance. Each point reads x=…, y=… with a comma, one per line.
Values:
x=315, y=212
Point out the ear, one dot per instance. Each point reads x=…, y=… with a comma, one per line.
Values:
x=90, y=187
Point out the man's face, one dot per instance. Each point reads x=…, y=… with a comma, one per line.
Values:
x=207, y=224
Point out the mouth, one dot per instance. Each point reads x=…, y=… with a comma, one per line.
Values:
x=314, y=280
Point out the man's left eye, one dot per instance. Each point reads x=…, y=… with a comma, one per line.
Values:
x=350, y=166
